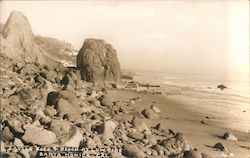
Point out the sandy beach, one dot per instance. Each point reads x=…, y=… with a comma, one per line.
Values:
x=186, y=118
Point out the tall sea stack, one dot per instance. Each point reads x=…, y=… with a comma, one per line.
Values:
x=98, y=62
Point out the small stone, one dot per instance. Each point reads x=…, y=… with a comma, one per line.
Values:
x=67, y=133
x=18, y=142
x=86, y=109
x=171, y=132
x=132, y=151
x=151, y=138
x=38, y=135
x=176, y=144
x=25, y=96
x=18, y=67
x=145, y=141
x=155, y=109
x=39, y=79
x=6, y=134
x=2, y=145
x=159, y=149
x=107, y=142
x=107, y=128
x=85, y=125
x=106, y=101
x=154, y=153
x=138, y=124
x=52, y=98
x=97, y=140
x=68, y=88
x=204, y=155
x=229, y=136
x=16, y=124
x=132, y=102
x=89, y=143
x=65, y=109
x=221, y=86
x=161, y=152
x=158, y=127
x=220, y=147
x=136, y=135
x=149, y=152
x=94, y=94
x=40, y=115
x=49, y=110
x=25, y=153
x=147, y=131
x=67, y=80
x=74, y=139
x=150, y=114
x=60, y=128
x=97, y=103
x=70, y=97
x=192, y=154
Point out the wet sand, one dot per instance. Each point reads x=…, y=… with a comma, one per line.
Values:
x=187, y=119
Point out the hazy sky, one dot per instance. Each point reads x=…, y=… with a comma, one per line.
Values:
x=181, y=37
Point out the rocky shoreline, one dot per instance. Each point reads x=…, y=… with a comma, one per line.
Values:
x=42, y=110
x=49, y=110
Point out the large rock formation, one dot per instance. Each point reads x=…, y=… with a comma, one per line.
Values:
x=18, y=30
x=98, y=63
x=17, y=40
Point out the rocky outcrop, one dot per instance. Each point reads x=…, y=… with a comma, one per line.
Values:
x=17, y=39
x=98, y=62
x=19, y=42
x=18, y=30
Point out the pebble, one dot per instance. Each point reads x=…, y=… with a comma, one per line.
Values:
x=150, y=114
x=6, y=134
x=229, y=136
x=220, y=147
x=51, y=111
x=18, y=142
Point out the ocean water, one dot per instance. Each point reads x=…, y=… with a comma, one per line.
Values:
x=196, y=83
x=231, y=106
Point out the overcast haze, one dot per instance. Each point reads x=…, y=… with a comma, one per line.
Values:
x=178, y=37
